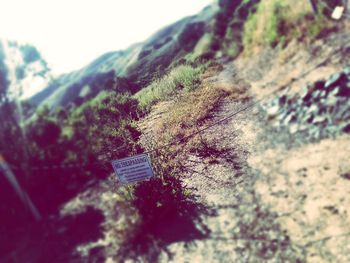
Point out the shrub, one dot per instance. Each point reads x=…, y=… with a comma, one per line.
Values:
x=278, y=22
x=183, y=77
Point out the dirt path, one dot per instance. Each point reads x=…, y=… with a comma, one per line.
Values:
x=271, y=202
x=241, y=229
x=273, y=196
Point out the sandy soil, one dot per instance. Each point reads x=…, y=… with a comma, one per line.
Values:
x=272, y=199
x=308, y=187
x=275, y=200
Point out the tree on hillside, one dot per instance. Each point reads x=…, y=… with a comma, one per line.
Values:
x=10, y=131
x=11, y=148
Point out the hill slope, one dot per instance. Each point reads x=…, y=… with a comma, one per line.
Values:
x=139, y=63
x=21, y=67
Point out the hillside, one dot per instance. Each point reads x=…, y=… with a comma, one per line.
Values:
x=211, y=33
x=22, y=66
x=243, y=111
x=188, y=40
x=139, y=63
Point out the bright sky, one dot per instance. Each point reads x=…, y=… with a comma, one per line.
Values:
x=72, y=33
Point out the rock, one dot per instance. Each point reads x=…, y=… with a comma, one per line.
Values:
x=309, y=118
x=329, y=130
x=302, y=127
x=323, y=93
x=334, y=92
x=320, y=108
x=293, y=128
x=319, y=119
x=273, y=111
x=346, y=128
x=346, y=175
x=347, y=71
x=282, y=100
x=282, y=115
x=289, y=118
x=331, y=101
x=335, y=80
x=313, y=109
x=276, y=124
x=344, y=91
x=345, y=114
x=304, y=92
x=293, y=101
x=307, y=97
x=315, y=133
x=337, y=113
x=319, y=85
x=316, y=95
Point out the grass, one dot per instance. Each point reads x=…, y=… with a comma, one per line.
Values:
x=183, y=77
x=202, y=47
x=165, y=202
x=91, y=103
x=278, y=22
x=190, y=112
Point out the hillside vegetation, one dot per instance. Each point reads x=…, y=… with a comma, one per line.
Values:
x=87, y=118
x=279, y=22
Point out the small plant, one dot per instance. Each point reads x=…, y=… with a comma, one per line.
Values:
x=183, y=77
x=278, y=22
x=167, y=211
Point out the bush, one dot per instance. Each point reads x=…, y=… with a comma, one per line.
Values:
x=278, y=22
x=183, y=77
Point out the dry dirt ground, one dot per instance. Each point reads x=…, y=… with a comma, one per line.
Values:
x=276, y=198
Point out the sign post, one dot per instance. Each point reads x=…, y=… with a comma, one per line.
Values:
x=133, y=169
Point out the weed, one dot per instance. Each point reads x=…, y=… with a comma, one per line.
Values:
x=183, y=77
x=277, y=23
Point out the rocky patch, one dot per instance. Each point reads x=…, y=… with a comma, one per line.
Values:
x=321, y=110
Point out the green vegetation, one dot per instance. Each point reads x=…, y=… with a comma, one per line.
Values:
x=165, y=198
x=228, y=26
x=183, y=77
x=100, y=126
x=278, y=22
x=98, y=131
x=202, y=47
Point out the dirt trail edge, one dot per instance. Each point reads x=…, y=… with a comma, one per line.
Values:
x=241, y=229
x=276, y=197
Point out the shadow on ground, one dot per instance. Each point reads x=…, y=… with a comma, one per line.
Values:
x=218, y=155
x=52, y=240
x=169, y=213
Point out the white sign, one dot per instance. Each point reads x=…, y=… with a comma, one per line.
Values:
x=338, y=12
x=133, y=169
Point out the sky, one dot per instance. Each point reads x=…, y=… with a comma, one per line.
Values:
x=71, y=33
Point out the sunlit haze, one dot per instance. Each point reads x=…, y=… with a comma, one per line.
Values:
x=71, y=33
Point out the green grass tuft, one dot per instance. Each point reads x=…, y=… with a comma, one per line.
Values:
x=183, y=77
x=277, y=22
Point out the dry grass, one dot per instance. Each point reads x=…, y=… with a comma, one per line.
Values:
x=186, y=116
x=183, y=77
x=278, y=22
x=190, y=112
